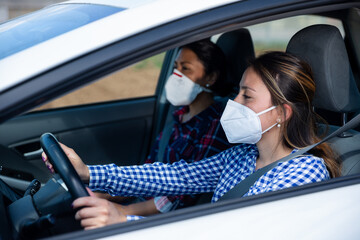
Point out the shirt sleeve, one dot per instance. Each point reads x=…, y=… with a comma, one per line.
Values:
x=130, y=218
x=163, y=204
x=157, y=179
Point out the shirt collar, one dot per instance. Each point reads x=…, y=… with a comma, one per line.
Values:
x=254, y=152
x=213, y=111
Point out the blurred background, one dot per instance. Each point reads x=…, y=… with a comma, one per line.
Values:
x=140, y=80
x=13, y=8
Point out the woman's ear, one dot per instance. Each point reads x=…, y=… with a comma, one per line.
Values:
x=211, y=79
x=284, y=112
x=288, y=111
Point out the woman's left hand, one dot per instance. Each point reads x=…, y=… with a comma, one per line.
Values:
x=96, y=212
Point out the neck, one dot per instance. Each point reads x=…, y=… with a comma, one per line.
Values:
x=201, y=102
x=271, y=148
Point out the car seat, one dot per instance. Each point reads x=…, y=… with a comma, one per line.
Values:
x=238, y=49
x=323, y=47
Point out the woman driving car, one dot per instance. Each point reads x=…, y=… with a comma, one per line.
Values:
x=271, y=117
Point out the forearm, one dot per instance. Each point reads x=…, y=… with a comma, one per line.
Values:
x=115, y=199
x=154, y=179
x=145, y=208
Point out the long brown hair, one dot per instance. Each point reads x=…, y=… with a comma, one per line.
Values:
x=290, y=81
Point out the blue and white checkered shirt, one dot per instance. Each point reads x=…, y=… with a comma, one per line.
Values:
x=217, y=174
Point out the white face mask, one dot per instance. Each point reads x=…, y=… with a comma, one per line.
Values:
x=241, y=124
x=180, y=90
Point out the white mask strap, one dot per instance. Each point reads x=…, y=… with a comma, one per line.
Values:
x=206, y=90
x=266, y=110
x=268, y=128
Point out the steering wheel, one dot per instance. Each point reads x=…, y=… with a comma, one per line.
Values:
x=63, y=166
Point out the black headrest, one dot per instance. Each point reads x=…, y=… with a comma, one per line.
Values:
x=238, y=48
x=323, y=47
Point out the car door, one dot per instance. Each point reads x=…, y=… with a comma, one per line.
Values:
x=109, y=121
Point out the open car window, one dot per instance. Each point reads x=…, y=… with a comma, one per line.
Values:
x=138, y=80
x=275, y=35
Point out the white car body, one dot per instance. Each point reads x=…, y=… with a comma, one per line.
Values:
x=305, y=217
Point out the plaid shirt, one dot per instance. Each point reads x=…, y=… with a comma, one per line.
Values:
x=200, y=137
x=218, y=173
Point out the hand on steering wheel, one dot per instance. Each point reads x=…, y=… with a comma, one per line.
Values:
x=62, y=165
x=93, y=212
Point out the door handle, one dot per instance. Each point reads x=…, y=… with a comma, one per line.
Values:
x=30, y=150
x=33, y=154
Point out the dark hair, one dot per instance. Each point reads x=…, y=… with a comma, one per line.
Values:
x=214, y=62
x=290, y=81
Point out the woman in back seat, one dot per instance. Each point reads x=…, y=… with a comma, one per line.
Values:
x=199, y=74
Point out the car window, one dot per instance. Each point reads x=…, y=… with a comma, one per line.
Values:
x=48, y=23
x=138, y=80
x=275, y=35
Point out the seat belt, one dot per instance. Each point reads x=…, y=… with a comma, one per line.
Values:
x=166, y=133
x=164, y=141
x=243, y=187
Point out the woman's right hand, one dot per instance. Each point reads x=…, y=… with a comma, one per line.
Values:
x=75, y=160
x=94, y=212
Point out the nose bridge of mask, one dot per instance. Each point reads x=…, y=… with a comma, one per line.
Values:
x=197, y=87
x=178, y=73
x=180, y=90
x=183, y=78
x=235, y=110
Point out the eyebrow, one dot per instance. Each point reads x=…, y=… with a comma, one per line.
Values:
x=182, y=62
x=246, y=87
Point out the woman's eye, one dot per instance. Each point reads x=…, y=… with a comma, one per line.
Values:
x=246, y=96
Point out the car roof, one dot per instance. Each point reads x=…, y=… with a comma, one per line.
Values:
x=136, y=16
x=116, y=3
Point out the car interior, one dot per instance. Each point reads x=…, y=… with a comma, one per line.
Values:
x=337, y=97
x=322, y=46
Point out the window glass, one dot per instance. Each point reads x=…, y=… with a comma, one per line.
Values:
x=48, y=23
x=275, y=35
x=138, y=80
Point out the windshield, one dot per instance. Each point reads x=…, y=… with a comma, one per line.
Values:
x=40, y=26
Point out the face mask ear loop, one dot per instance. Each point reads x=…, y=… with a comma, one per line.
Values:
x=269, y=128
x=206, y=90
x=266, y=110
